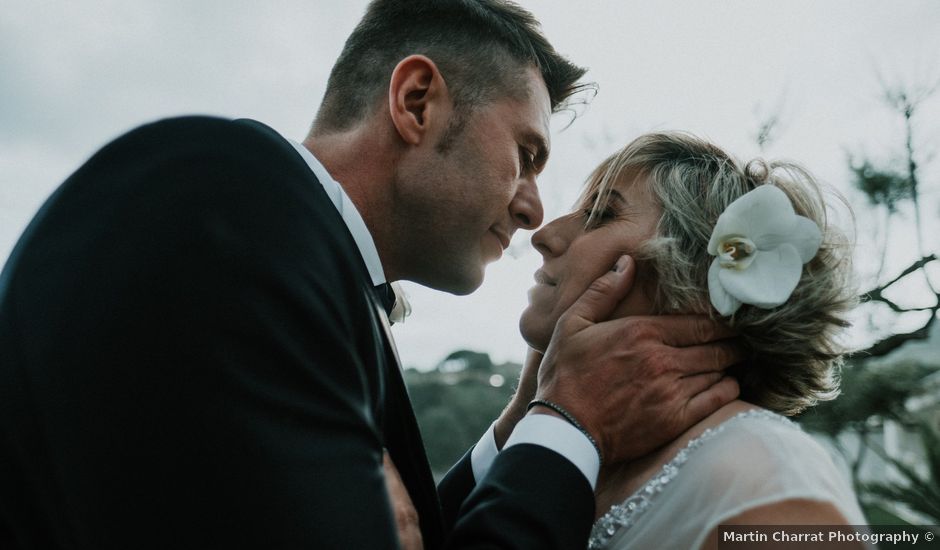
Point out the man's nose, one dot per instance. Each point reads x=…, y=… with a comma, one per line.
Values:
x=526, y=206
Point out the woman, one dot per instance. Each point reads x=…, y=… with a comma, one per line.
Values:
x=749, y=245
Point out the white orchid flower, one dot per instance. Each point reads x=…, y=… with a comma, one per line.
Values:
x=760, y=245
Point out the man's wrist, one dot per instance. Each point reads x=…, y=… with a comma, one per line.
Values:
x=506, y=423
x=557, y=434
x=542, y=409
x=565, y=415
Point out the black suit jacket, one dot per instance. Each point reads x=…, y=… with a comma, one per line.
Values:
x=191, y=356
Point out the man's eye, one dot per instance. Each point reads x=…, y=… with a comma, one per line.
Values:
x=526, y=160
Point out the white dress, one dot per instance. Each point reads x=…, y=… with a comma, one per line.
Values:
x=752, y=459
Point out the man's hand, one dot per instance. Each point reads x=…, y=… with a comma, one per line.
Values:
x=406, y=516
x=525, y=392
x=638, y=382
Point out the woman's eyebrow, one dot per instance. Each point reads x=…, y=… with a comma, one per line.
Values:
x=613, y=197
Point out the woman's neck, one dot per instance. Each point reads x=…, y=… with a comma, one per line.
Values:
x=620, y=480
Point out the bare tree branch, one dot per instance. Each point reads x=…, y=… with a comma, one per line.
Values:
x=887, y=345
x=890, y=343
x=875, y=293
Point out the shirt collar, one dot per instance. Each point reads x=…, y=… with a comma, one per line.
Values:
x=347, y=210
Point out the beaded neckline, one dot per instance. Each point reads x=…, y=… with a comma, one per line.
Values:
x=623, y=516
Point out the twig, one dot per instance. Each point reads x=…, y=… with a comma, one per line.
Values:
x=888, y=344
x=875, y=293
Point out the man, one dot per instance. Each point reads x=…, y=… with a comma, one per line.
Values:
x=193, y=332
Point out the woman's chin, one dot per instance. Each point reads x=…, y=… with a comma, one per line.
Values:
x=534, y=335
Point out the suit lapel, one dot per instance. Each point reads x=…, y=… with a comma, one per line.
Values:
x=404, y=443
x=397, y=422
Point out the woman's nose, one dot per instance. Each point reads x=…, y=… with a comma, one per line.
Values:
x=550, y=240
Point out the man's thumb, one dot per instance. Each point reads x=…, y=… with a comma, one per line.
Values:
x=602, y=297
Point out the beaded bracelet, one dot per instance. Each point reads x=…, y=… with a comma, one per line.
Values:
x=571, y=420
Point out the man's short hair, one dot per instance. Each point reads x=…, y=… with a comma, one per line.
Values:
x=481, y=48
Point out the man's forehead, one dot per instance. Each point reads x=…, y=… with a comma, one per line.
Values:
x=539, y=96
x=539, y=111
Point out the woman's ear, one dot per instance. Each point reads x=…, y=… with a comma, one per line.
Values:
x=417, y=98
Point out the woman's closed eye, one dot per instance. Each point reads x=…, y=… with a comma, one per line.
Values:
x=601, y=217
x=602, y=214
x=611, y=209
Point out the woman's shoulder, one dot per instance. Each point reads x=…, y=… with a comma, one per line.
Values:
x=763, y=445
x=758, y=457
x=743, y=458
x=764, y=431
x=740, y=448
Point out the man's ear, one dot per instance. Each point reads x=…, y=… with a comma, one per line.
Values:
x=417, y=94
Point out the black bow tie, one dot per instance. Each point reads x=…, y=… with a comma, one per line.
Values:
x=386, y=296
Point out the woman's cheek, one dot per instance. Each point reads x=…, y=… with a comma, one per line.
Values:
x=639, y=300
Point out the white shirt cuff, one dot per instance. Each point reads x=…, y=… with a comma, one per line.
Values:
x=558, y=435
x=484, y=453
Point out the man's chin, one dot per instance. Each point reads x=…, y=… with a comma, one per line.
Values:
x=458, y=283
x=467, y=285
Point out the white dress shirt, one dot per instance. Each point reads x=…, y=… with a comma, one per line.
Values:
x=347, y=210
x=539, y=429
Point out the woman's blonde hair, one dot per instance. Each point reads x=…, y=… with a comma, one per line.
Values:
x=795, y=349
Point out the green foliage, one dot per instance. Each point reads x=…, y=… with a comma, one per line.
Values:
x=868, y=392
x=469, y=360
x=882, y=187
x=919, y=493
x=456, y=403
x=877, y=515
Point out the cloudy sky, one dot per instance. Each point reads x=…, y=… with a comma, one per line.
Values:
x=75, y=74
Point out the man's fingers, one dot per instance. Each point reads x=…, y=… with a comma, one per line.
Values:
x=714, y=357
x=600, y=299
x=696, y=384
x=712, y=399
x=403, y=509
x=691, y=330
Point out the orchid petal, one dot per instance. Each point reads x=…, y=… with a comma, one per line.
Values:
x=725, y=303
x=769, y=281
x=806, y=238
x=803, y=234
x=759, y=215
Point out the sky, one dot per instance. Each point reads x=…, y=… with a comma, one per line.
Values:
x=76, y=74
